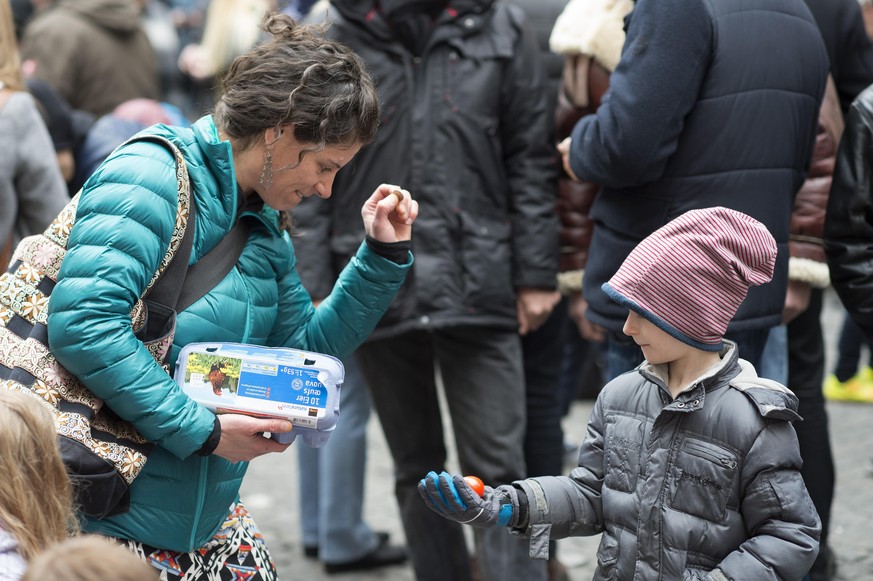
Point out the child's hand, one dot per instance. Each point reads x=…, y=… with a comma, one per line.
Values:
x=451, y=497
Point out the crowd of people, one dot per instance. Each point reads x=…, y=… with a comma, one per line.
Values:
x=499, y=199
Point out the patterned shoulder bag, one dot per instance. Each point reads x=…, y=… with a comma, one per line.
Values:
x=103, y=453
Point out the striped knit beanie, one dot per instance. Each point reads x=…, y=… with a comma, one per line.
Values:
x=689, y=277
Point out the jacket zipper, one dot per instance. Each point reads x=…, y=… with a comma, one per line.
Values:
x=201, y=500
x=204, y=463
x=695, y=450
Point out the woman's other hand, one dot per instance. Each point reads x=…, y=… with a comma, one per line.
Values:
x=242, y=437
x=388, y=216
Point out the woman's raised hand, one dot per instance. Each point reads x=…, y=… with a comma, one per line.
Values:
x=389, y=213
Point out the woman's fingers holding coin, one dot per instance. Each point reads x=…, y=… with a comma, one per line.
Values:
x=403, y=201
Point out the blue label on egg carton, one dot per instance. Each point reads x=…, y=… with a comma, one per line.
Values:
x=283, y=383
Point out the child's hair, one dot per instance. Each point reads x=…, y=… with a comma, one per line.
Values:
x=10, y=65
x=89, y=557
x=36, y=501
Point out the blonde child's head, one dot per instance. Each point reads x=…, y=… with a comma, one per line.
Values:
x=10, y=64
x=35, y=492
x=690, y=276
x=89, y=557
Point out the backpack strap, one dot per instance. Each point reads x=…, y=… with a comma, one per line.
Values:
x=184, y=215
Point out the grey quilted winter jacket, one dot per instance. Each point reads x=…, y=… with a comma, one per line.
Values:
x=706, y=486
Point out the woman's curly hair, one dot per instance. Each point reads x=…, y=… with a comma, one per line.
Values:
x=300, y=78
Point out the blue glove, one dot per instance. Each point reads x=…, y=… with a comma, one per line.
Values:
x=451, y=497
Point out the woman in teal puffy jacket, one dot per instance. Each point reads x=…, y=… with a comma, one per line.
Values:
x=292, y=112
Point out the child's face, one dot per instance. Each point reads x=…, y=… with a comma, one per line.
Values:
x=658, y=346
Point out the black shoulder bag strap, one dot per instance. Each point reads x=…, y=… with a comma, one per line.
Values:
x=182, y=286
x=212, y=268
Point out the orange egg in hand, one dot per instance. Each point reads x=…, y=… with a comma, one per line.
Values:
x=476, y=484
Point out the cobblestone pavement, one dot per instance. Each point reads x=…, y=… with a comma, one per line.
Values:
x=270, y=493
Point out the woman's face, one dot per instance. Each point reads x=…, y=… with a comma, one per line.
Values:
x=295, y=179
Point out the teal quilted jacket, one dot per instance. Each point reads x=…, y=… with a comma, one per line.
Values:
x=124, y=222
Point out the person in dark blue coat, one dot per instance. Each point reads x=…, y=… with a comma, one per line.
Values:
x=710, y=104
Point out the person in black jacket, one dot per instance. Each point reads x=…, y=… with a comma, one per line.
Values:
x=848, y=223
x=465, y=125
x=710, y=104
x=851, y=53
x=848, y=227
x=851, y=58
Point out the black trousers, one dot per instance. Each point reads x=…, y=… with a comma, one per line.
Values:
x=805, y=376
x=543, y=351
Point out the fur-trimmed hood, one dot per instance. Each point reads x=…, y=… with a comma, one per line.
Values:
x=592, y=27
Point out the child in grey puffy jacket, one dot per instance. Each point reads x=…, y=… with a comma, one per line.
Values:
x=690, y=467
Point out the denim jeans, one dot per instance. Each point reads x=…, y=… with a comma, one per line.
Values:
x=774, y=360
x=622, y=355
x=483, y=378
x=751, y=344
x=332, y=480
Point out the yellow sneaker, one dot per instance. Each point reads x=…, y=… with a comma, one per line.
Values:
x=858, y=388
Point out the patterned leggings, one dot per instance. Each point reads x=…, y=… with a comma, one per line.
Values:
x=237, y=552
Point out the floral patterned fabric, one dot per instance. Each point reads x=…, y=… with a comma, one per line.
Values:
x=27, y=365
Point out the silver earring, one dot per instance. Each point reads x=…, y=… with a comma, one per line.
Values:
x=267, y=172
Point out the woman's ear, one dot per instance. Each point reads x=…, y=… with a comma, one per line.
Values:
x=272, y=135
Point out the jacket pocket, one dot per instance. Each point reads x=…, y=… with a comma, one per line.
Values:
x=607, y=556
x=624, y=439
x=486, y=260
x=702, y=479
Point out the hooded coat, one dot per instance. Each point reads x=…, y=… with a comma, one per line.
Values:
x=94, y=52
x=704, y=484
